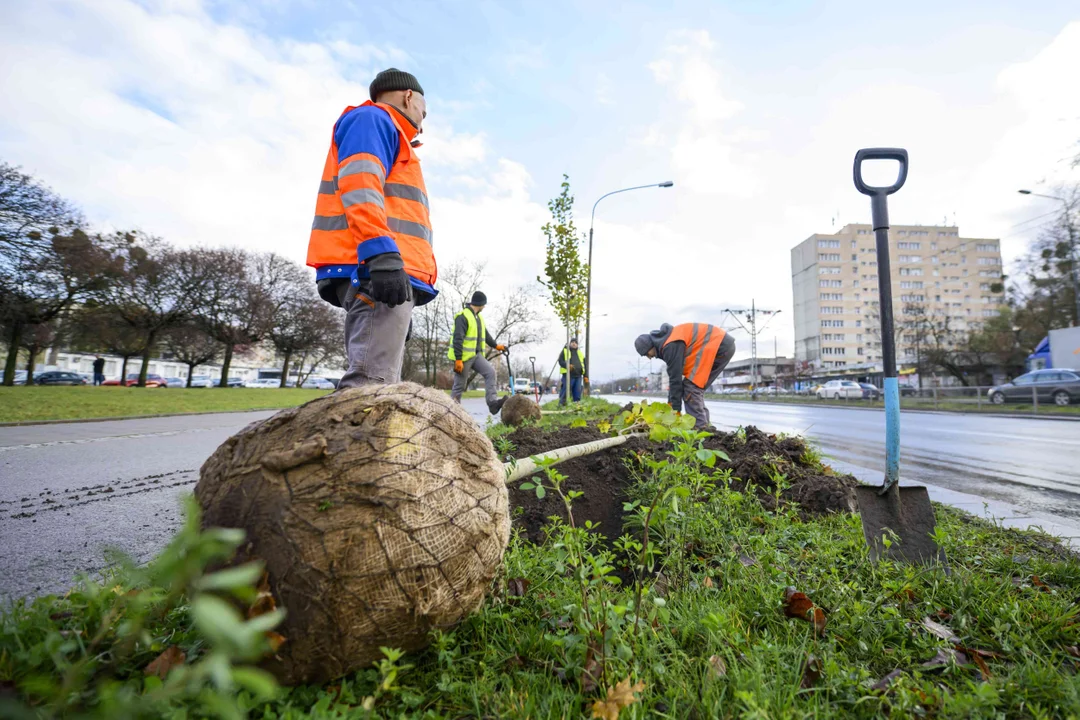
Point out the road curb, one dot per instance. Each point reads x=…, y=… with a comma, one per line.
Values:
x=976, y=413
x=137, y=417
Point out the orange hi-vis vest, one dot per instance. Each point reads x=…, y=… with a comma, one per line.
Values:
x=362, y=204
x=702, y=342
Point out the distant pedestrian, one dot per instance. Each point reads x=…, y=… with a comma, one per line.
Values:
x=99, y=370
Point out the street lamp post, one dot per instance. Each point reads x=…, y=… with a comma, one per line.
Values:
x=1072, y=248
x=588, y=290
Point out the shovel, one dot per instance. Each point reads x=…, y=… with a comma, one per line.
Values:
x=898, y=523
x=509, y=372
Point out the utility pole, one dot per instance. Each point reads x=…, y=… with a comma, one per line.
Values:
x=751, y=319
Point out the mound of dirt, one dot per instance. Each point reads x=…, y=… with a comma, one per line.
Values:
x=604, y=476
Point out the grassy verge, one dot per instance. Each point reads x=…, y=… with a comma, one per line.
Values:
x=734, y=611
x=35, y=404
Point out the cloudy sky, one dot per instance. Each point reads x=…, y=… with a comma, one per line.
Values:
x=208, y=122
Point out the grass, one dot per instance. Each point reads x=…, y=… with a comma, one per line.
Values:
x=707, y=637
x=36, y=403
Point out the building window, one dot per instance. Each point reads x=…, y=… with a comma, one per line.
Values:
x=910, y=284
x=989, y=313
x=908, y=246
x=831, y=296
x=828, y=270
x=912, y=298
x=853, y=244
x=989, y=261
x=909, y=258
x=986, y=247
x=911, y=271
x=828, y=257
x=830, y=283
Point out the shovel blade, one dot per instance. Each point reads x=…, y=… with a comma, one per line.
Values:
x=904, y=516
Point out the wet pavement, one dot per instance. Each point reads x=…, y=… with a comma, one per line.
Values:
x=69, y=492
x=1022, y=467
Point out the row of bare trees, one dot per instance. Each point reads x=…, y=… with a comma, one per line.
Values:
x=133, y=295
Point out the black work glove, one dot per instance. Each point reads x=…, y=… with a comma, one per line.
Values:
x=389, y=282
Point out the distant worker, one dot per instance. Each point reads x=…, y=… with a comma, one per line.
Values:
x=573, y=370
x=695, y=354
x=371, y=239
x=99, y=370
x=467, y=352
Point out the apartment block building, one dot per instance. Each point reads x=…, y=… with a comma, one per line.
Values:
x=936, y=273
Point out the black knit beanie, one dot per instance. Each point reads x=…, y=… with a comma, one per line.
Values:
x=393, y=79
x=479, y=299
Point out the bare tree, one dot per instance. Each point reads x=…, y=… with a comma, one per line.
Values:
x=190, y=344
x=298, y=321
x=325, y=330
x=99, y=329
x=160, y=288
x=433, y=323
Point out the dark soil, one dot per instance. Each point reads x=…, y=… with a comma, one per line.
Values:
x=603, y=477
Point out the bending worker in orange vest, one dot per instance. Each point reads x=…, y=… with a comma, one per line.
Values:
x=371, y=239
x=695, y=354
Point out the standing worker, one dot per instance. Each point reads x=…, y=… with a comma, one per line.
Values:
x=695, y=354
x=371, y=239
x=573, y=371
x=467, y=352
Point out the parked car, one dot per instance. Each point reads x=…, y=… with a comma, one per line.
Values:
x=201, y=381
x=521, y=385
x=264, y=383
x=152, y=381
x=317, y=383
x=908, y=391
x=175, y=382
x=1051, y=385
x=870, y=392
x=57, y=377
x=20, y=377
x=836, y=389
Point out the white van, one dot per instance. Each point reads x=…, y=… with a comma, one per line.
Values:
x=522, y=385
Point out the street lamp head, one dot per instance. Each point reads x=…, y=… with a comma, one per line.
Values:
x=666, y=183
x=1024, y=192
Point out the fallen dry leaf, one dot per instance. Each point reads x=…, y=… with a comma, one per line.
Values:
x=939, y=630
x=719, y=667
x=944, y=657
x=618, y=697
x=747, y=561
x=1073, y=650
x=811, y=672
x=171, y=657
x=516, y=587
x=797, y=605
x=943, y=615
x=708, y=582
x=276, y=640
x=1036, y=582
x=888, y=680
x=906, y=594
x=264, y=599
x=592, y=674
x=979, y=662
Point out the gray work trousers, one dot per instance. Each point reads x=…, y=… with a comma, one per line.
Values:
x=482, y=366
x=374, y=337
x=694, y=397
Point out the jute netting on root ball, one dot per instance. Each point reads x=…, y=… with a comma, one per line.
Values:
x=519, y=408
x=380, y=512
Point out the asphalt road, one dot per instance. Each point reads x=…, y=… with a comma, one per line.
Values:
x=1029, y=463
x=71, y=492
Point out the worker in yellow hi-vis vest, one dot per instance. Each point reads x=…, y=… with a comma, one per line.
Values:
x=467, y=352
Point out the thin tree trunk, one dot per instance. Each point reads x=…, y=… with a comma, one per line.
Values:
x=13, y=354
x=525, y=467
x=123, y=371
x=224, y=382
x=144, y=369
x=285, y=369
x=190, y=372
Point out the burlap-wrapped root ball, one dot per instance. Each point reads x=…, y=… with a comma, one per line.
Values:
x=380, y=512
x=519, y=408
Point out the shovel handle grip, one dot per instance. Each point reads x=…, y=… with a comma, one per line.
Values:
x=898, y=154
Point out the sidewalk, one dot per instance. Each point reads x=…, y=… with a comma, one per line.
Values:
x=996, y=511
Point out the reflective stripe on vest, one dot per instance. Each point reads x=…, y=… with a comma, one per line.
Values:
x=475, y=333
x=359, y=189
x=566, y=359
x=702, y=341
